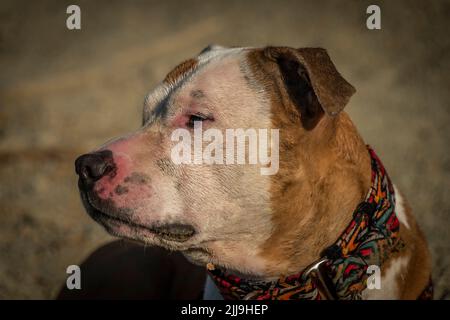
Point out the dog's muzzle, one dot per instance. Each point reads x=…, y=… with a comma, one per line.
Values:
x=90, y=168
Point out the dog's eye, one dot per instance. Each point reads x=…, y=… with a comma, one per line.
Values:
x=196, y=117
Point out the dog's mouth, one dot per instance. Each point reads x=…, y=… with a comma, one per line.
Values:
x=125, y=227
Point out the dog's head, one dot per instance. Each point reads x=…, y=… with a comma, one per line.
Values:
x=225, y=213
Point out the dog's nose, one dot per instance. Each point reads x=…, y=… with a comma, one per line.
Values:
x=91, y=167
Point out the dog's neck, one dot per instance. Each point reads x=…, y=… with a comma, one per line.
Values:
x=313, y=203
x=369, y=239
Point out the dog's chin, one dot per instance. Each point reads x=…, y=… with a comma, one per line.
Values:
x=198, y=256
x=119, y=223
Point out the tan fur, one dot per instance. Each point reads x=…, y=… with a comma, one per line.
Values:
x=180, y=71
x=324, y=173
x=320, y=192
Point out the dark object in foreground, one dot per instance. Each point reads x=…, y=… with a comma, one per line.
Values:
x=126, y=270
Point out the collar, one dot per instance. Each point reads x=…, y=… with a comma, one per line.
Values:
x=340, y=273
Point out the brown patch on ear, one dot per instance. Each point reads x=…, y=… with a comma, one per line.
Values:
x=314, y=66
x=180, y=71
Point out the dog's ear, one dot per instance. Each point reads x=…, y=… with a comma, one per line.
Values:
x=311, y=81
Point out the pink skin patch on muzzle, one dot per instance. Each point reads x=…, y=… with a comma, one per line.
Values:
x=124, y=185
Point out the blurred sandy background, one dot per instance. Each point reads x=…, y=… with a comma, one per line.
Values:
x=64, y=92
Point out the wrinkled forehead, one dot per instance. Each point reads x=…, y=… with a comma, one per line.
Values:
x=215, y=67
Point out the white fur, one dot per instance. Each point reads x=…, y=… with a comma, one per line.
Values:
x=400, y=208
x=389, y=282
x=216, y=52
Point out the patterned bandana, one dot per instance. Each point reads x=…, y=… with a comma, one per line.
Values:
x=369, y=239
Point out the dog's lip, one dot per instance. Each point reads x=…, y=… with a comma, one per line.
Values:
x=174, y=232
x=178, y=232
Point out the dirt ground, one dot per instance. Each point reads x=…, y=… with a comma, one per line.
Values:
x=64, y=92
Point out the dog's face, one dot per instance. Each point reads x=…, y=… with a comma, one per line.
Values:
x=219, y=213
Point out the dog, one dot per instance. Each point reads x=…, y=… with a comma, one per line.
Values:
x=313, y=230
